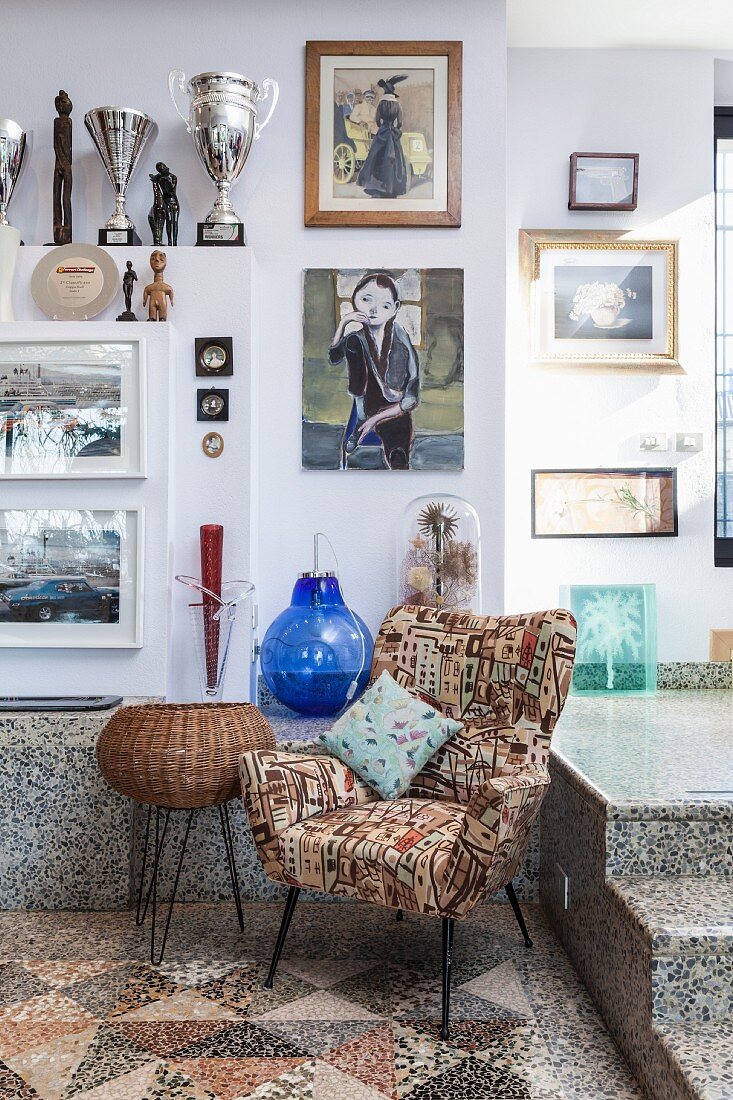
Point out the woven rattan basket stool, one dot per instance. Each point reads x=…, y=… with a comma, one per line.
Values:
x=172, y=756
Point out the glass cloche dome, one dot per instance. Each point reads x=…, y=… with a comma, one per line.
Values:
x=439, y=554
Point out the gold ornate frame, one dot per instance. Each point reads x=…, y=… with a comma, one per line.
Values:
x=534, y=243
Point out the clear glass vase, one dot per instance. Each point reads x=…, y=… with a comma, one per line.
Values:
x=439, y=554
x=212, y=620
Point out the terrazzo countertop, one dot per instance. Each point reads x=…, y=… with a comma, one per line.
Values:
x=649, y=755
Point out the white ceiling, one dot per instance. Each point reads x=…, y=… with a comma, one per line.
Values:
x=622, y=24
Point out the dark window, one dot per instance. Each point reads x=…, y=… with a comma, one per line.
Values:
x=724, y=336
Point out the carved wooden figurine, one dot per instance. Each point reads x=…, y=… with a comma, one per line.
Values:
x=129, y=279
x=156, y=293
x=62, y=174
x=165, y=209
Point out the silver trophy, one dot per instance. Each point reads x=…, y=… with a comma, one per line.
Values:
x=15, y=149
x=222, y=118
x=119, y=134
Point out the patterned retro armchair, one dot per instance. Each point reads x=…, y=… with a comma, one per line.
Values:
x=461, y=831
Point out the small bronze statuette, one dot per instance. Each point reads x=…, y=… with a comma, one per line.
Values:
x=156, y=293
x=129, y=279
x=165, y=208
x=62, y=174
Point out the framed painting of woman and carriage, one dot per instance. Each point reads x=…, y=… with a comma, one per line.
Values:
x=383, y=134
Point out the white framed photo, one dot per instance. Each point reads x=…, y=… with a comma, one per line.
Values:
x=71, y=577
x=600, y=300
x=72, y=409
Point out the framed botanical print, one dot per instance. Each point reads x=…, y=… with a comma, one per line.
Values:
x=624, y=503
x=604, y=181
x=383, y=134
x=600, y=300
x=71, y=577
x=72, y=409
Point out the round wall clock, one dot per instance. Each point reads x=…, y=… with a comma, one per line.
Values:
x=74, y=282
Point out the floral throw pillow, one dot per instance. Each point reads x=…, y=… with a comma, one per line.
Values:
x=388, y=736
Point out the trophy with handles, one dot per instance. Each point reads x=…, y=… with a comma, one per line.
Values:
x=222, y=119
x=15, y=148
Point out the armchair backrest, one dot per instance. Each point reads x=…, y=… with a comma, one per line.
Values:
x=505, y=678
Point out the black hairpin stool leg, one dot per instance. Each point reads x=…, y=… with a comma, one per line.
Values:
x=156, y=863
x=287, y=916
x=518, y=913
x=226, y=832
x=447, y=964
x=140, y=916
x=400, y=915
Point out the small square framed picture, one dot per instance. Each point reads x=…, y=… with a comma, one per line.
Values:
x=603, y=181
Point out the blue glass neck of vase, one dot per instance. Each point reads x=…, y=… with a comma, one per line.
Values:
x=317, y=592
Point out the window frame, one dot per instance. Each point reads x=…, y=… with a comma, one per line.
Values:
x=723, y=546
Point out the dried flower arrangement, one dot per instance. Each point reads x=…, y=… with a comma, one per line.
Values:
x=438, y=569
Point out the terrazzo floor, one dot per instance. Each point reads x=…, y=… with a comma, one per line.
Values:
x=353, y=1015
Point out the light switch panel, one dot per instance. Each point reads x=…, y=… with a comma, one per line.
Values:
x=688, y=441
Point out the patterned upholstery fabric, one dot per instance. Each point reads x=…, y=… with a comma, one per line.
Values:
x=394, y=853
x=463, y=828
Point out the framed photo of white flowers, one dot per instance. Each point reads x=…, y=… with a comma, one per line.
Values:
x=600, y=300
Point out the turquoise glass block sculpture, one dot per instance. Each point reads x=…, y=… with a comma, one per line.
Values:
x=617, y=638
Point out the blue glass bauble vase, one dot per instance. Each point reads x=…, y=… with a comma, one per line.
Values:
x=316, y=649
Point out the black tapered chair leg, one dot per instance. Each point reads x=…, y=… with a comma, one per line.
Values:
x=518, y=913
x=400, y=915
x=287, y=916
x=447, y=964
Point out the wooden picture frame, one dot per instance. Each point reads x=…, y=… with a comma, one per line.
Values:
x=578, y=202
x=570, y=504
x=440, y=205
x=643, y=277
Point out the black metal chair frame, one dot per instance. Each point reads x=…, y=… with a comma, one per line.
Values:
x=447, y=952
x=152, y=890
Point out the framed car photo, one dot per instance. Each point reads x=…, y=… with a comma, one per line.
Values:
x=383, y=134
x=603, y=301
x=72, y=409
x=71, y=578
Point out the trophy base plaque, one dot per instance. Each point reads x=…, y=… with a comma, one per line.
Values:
x=220, y=233
x=109, y=237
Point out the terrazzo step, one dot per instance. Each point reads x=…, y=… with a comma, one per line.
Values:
x=700, y=1057
x=687, y=923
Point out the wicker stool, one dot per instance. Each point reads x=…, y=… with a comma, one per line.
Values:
x=173, y=756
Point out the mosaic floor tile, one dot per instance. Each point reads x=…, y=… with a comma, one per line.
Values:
x=171, y=1084
x=101, y=993
x=419, y=1057
x=243, y=1040
x=500, y=986
x=130, y=1086
x=371, y=988
x=63, y=973
x=338, y=1025
x=48, y=1068
x=318, y=1036
x=323, y=1005
x=473, y=1079
x=39, y=1020
x=143, y=986
x=13, y=1087
x=109, y=1055
x=330, y=1083
x=189, y=1004
x=369, y=1058
x=293, y=1084
x=242, y=990
x=233, y=1077
x=165, y=1037
x=324, y=973
x=18, y=984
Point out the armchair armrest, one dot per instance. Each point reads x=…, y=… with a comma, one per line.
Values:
x=493, y=839
x=280, y=788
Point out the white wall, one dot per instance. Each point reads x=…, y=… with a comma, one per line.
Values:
x=659, y=104
x=116, y=53
x=183, y=489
